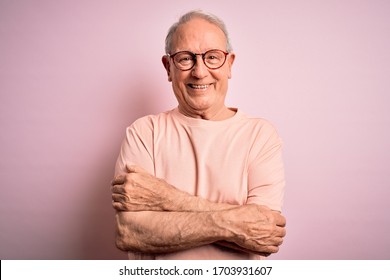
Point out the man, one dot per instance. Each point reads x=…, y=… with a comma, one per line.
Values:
x=202, y=181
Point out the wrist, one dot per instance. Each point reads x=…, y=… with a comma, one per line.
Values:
x=222, y=224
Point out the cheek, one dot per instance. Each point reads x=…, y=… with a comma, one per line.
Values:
x=178, y=80
x=222, y=79
x=179, y=87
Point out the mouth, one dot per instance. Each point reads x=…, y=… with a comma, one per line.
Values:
x=199, y=86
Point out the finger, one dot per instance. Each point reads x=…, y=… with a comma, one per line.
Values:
x=118, y=180
x=273, y=249
x=119, y=198
x=268, y=250
x=279, y=219
x=275, y=242
x=280, y=232
x=134, y=169
x=118, y=206
x=283, y=232
x=279, y=242
x=117, y=189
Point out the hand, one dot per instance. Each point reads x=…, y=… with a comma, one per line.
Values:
x=256, y=228
x=138, y=190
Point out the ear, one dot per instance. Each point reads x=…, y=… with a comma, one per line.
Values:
x=167, y=65
x=230, y=61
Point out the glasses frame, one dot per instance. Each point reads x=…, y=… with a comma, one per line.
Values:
x=194, y=56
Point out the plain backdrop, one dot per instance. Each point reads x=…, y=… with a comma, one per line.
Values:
x=75, y=74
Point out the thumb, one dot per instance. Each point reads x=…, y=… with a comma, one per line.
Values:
x=134, y=169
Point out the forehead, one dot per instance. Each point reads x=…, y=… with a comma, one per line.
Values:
x=198, y=35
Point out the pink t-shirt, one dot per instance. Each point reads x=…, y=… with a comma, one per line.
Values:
x=236, y=161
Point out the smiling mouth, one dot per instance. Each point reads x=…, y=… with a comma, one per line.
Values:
x=194, y=86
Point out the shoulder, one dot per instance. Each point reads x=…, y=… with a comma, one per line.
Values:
x=258, y=125
x=148, y=123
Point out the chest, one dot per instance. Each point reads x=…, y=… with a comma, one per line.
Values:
x=210, y=165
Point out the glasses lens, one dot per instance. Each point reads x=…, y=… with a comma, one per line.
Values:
x=214, y=59
x=184, y=60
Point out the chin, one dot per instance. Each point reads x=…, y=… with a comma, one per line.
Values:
x=201, y=107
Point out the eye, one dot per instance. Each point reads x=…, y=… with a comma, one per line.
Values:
x=213, y=57
x=184, y=58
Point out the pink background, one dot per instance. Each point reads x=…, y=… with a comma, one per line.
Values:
x=74, y=74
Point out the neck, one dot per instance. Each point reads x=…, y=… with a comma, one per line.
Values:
x=220, y=115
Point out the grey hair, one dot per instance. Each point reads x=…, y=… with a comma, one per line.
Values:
x=196, y=14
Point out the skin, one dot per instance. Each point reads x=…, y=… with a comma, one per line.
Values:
x=155, y=217
x=199, y=36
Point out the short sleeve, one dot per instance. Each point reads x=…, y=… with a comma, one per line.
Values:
x=266, y=180
x=137, y=147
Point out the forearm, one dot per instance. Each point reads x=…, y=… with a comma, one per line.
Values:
x=184, y=202
x=164, y=232
x=187, y=202
x=130, y=193
x=155, y=217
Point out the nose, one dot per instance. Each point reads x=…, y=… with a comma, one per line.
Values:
x=199, y=70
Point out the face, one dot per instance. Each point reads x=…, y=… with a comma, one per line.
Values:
x=200, y=91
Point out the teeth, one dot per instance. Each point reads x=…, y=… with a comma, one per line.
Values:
x=199, y=86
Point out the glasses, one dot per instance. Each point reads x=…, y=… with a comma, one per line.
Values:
x=186, y=60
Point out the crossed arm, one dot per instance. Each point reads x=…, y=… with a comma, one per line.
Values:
x=155, y=217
